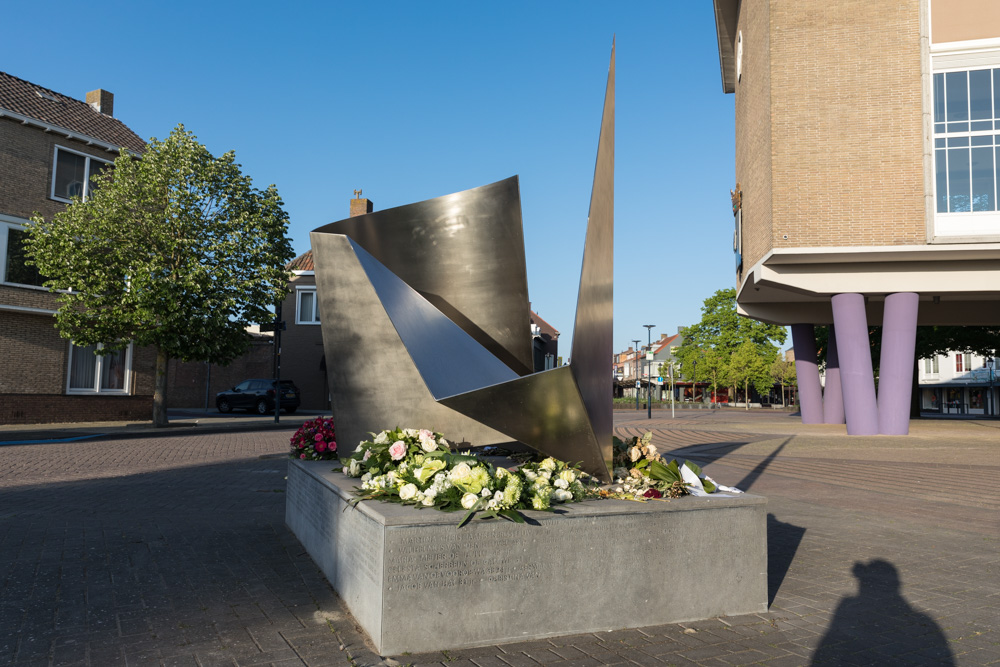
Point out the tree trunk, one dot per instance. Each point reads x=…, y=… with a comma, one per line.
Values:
x=746, y=394
x=782, y=394
x=160, y=390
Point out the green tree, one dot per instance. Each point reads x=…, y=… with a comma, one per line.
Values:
x=176, y=250
x=714, y=340
x=748, y=366
x=783, y=373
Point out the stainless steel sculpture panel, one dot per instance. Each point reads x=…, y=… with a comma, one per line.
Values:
x=455, y=250
x=424, y=313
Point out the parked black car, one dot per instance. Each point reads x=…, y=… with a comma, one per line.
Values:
x=258, y=396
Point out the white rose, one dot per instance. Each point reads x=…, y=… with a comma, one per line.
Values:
x=430, y=493
x=354, y=469
x=367, y=476
x=548, y=464
x=381, y=438
x=428, y=501
x=410, y=432
x=561, y=495
x=635, y=454
x=546, y=475
x=469, y=500
x=443, y=443
x=498, y=497
x=568, y=475
x=561, y=483
x=461, y=471
x=530, y=475
x=485, y=493
x=408, y=492
x=428, y=445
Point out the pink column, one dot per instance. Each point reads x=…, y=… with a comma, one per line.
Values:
x=833, y=395
x=854, y=352
x=895, y=375
x=810, y=392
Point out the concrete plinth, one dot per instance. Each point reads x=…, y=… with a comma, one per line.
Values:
x=416, y=583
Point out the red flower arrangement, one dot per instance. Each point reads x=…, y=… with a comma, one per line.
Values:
x=314, y=441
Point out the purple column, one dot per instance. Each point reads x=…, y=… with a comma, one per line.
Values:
x=810, y=392
x=895, y=375
x=854, y=352
x=833, y=395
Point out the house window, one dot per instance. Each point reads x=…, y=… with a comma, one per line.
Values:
x=72, y=172
x=931, y=366
x=963, y=362
x=13, y=266
x=307, y=308
x=93, y=373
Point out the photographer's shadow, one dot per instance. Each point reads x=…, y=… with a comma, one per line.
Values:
x=878, y=623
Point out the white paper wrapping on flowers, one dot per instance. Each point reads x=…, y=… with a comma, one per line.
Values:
x=696, y=488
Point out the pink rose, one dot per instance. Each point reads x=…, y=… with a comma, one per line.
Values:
x=332, y=446
x=397, y=450
x=302, y=456
x=318, y=437
x=367, y=455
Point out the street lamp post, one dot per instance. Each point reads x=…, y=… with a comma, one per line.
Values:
x=635, y=367
x=649, y=377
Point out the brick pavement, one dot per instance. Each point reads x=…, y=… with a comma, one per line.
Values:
x=173, y=551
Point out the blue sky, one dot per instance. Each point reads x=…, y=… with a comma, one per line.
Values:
x=414, y=100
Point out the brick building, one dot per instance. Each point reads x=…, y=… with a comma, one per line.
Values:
x=50, y=144
x=867, y=153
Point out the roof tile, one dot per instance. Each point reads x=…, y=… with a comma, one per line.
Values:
x=27, y=99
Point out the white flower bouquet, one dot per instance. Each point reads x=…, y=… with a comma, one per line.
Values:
x=418, y=467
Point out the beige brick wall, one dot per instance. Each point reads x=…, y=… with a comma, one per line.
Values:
x=753, y=131
x=847, y=143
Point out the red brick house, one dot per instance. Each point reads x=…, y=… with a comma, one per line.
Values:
x=50, y=145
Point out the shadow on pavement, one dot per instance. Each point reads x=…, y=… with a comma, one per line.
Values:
x=861, y=624
x=783, y=541
x=759, y=469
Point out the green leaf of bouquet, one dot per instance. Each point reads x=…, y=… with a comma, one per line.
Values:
x=511, y=515
x=664, y=473
x=468, y=517
x=694, y=468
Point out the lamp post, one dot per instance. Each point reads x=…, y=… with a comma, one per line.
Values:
x=649, y=377
x=671, y=388
x=635, y=367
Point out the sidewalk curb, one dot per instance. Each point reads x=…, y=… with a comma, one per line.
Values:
x=61, y=435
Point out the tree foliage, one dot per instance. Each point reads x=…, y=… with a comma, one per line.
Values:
x=174, y=249
x=709, y=350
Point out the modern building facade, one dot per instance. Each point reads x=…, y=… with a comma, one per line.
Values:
x=867, y=161
x=50, y=145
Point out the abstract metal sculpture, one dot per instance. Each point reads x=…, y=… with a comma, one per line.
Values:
x=425, y=321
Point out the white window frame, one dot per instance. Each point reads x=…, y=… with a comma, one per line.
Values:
x=962, y=57
x=7, y=223
x=299, y=291
x=86, y=171
x=99, y=360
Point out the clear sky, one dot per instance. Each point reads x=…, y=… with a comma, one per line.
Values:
x=414, y=100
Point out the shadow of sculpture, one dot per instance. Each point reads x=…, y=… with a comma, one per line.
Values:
x=878, y=623
x=759, y=469
x=783, y=541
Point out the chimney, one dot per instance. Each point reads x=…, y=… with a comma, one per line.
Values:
x=360, y=206
x=102, y=101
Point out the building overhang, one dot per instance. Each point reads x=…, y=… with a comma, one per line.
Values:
x=726, y=15
x=958, y=284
